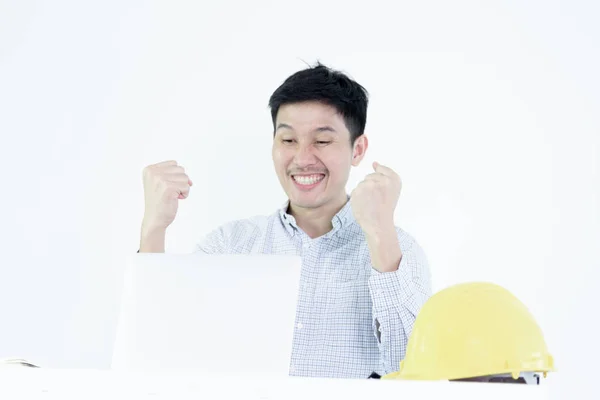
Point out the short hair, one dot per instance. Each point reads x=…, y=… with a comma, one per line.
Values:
x=323, y=84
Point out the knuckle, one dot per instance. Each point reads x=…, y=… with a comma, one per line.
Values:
x=147, y=171
x=162, y=183
x=177, y=170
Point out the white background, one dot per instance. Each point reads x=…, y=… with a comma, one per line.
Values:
x=488, y=110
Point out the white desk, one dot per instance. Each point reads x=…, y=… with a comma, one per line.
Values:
x=102, y=384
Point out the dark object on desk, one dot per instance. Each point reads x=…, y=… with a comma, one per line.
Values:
x=16, y=362
x=535, y=379
x=374, y=375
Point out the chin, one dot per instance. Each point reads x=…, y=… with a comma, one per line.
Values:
x=304, y=202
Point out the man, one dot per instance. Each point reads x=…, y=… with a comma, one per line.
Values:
x=363, y=279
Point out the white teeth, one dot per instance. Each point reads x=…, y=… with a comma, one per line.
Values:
x=308, y=180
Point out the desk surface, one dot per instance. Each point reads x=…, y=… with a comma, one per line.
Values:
x=66, y=384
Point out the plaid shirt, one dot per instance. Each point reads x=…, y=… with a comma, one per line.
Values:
x=351, y=319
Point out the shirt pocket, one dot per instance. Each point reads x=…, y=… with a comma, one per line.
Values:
x=345, y=276
x=342, y=293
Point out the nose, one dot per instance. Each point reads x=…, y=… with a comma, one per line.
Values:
x=304, y=155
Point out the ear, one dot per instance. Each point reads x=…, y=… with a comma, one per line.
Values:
x=359, y=149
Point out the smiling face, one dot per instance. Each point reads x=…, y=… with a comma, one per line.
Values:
x=312, y=154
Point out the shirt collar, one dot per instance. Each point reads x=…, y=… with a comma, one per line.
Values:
x=342, y=219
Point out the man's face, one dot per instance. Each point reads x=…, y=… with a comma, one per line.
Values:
x=313, y=155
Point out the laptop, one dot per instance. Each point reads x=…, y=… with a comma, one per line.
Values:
x=218, y=314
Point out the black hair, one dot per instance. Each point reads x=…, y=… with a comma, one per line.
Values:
x=323, y=84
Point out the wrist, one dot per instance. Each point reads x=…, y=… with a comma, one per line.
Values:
x=378, y=233
x=384, y=248
x=152, y=239
x=151, y=228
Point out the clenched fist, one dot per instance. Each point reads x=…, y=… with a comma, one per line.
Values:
x=164, y=185
x=374, y=199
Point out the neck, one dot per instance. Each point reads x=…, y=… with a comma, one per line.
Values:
x=316, y=222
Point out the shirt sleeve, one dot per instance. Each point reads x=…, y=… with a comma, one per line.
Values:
x=397, y=298
x=233, y=237
x=213, y=243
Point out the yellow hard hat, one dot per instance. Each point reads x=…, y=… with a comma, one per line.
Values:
x=473, y=330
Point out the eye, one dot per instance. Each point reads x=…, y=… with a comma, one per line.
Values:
x=323, y=142
x=287, y=141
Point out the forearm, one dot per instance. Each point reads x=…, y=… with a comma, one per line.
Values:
x=384, y=248
x=397, y=298
x=395, y=307
x=152, y=240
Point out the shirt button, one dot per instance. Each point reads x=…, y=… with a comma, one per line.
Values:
x=299, y=325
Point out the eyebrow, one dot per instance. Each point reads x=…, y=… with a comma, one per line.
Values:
x=284, y=126
x=325, y=128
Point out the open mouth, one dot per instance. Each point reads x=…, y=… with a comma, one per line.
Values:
x=308, y=181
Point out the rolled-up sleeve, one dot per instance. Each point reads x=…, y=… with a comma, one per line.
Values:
x=234, y=237
x=397, y=298
x=213, y=243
